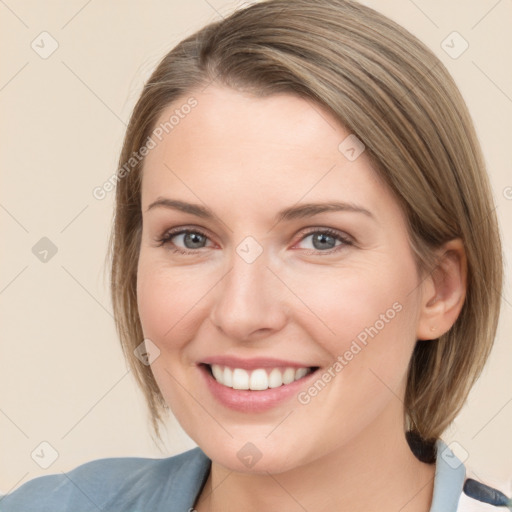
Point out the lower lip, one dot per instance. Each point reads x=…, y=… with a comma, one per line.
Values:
x=252, y=401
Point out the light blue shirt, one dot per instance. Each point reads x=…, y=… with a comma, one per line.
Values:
x=135, y=484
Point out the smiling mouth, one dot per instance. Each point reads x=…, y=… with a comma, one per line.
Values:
x=258, y=379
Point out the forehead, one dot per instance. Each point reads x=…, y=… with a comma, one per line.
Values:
x=240, y=149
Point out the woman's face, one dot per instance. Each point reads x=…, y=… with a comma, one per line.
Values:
x=295, y=261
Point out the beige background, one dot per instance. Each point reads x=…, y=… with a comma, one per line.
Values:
x=62, y=376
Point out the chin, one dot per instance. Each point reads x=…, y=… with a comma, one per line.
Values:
x=258, y=457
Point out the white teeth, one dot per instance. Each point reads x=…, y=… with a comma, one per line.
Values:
x=227, y=377
x=300, y=372
x=259, y=380
x=275, y=379
x=217, y=372
x=240, y=379
x=256, y=380
x=288, y=375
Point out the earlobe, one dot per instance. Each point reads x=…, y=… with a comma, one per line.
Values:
x=443, y=292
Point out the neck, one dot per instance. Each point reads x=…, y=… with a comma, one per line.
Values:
x=372, y=473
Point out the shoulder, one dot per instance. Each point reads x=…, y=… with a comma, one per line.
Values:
x=490, y=496
x=456, y=489
x=131, y=484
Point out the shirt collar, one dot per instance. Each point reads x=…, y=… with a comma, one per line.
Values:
x=448, y=481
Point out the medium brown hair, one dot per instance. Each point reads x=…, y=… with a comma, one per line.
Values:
x=395, y=95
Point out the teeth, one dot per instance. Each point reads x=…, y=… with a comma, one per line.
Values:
x=259, y=380
x=227, y=378
x=256, y=380
x=301, y=372
x=288, y=375
x=240, y=379
x=275, y=379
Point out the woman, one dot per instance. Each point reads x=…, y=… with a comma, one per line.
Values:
x=306, y=242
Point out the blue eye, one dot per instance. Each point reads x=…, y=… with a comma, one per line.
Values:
x=188, y=241
x=191, y=239
x=326, y=240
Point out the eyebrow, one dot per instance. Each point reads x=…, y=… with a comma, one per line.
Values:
x=293, y=212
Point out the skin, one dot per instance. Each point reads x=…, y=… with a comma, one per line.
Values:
x=247, y=158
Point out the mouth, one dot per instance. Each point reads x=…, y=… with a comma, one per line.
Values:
x=258, y=379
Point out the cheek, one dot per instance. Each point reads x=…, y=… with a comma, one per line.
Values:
x=365, y=320
x=338, y=306
x=167, y=299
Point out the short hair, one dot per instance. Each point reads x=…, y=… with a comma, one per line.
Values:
x=397, y=97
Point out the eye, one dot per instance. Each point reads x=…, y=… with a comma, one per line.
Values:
x=189, y=241
x=326, y=240
x=182, y=239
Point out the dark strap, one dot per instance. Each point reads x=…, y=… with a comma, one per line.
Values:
x=486, y=494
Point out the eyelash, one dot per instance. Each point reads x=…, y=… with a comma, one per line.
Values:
x=166, y=238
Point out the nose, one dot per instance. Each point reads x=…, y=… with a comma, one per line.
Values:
x=250, y=301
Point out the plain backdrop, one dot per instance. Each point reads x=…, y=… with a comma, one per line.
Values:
x=70, y=75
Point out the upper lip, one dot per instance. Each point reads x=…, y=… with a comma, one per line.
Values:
x=252, y=363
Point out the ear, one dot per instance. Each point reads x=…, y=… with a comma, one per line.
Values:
x=443, y=292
